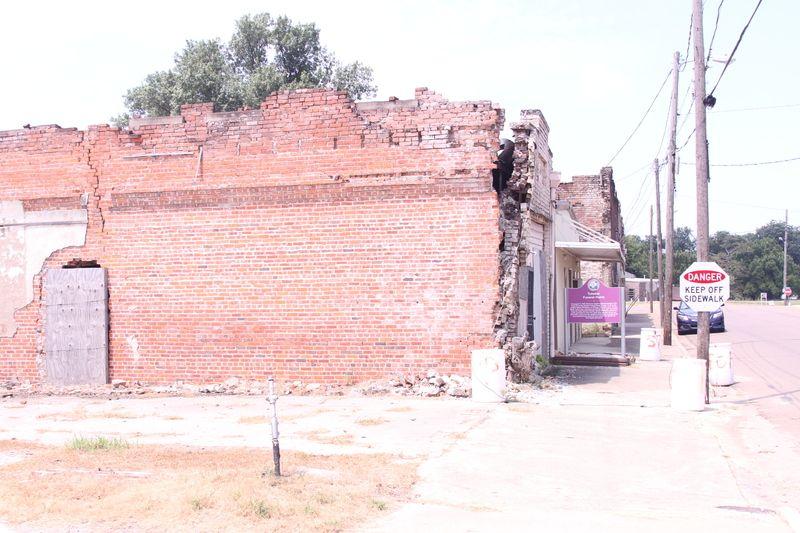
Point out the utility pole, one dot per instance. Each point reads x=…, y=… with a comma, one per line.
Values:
x=659, y=247
x=650, y=260
x=701, y=167
x=785, y=249
x=670, y=215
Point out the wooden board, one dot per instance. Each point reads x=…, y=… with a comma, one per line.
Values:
x=76, y=326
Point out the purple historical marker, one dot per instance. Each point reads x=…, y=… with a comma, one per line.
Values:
x=594, y=302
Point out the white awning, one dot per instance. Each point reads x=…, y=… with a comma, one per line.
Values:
x=585, y=243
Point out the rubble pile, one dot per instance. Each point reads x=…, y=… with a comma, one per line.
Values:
x=428, y=384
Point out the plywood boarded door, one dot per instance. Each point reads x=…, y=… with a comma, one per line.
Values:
x=76, y=326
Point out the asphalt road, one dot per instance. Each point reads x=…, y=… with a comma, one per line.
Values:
x=766, y=360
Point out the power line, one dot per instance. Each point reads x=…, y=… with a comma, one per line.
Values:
x=688, y=44
x=638, y=195
x=642, y=207
x=635, y=172
x=642, y=119
x=736, y=46
x=760, y=108
x=686, y=141
x=757, y=108
x=664, y=133
x=716, y=25
x=740, y=204
x=756, y=164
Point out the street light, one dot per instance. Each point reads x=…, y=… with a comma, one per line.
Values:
x=785, y=240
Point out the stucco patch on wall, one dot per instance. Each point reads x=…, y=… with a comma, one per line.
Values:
x=27, y=239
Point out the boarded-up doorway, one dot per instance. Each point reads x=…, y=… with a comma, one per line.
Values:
x=76, y=326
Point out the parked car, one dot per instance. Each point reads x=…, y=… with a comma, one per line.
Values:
x=687, y=319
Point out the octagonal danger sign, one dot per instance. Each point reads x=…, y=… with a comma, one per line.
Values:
x=705, y=286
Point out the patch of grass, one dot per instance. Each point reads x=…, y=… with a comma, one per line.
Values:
x=201, y=502
x=379, y=505
x=87, y=444
x=259, y=419
x=339, y=440
x=193, y=489
x=371, y=421
x=258, y=509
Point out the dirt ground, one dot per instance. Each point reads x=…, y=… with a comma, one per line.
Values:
x=124, y=487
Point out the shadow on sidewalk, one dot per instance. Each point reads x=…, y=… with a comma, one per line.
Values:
x=598, y=359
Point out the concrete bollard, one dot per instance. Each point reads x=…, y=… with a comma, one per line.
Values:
x=720, y=366
x=688, y=384
x=489, y=376
x=650, y=344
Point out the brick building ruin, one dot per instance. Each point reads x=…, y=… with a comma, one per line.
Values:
x=314, y=238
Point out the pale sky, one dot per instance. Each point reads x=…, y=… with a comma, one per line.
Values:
x=592, y=67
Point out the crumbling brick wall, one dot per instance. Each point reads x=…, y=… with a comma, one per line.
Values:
x=313, y=238
x=596, y=205
x=525, y=222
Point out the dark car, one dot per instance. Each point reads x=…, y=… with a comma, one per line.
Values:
x=687, y=319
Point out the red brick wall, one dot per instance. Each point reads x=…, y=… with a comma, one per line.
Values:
x=311, y=239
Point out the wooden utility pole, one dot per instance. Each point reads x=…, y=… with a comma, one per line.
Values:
x=785, y=250
x=659, y=247
x=670, y=215
x=701, y=167
x=650, y=261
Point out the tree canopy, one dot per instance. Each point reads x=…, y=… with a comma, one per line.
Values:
x=753, y=260
x=637, y=250
x=265, y=54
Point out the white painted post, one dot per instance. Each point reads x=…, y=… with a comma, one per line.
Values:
x=622, y=303
x=566, y=322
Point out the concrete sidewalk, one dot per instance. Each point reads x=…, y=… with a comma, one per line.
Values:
x=607, y=454
x=603, y=453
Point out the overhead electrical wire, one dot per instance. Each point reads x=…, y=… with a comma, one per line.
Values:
x=755, y=164
x=688, y=44
x=635, y=172
x=760, y=108
x=686, y=141
x=735, y=47
x=638, y=196
x=714, y=34
x=650, y=107
x=740, y=204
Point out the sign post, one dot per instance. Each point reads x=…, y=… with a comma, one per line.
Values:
x=704, y=287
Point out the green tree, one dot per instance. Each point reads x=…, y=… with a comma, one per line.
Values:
x=684, y=252
x=265, y=54
x=774, y=231
x=636, y=252
x=755, y=260
x=757, y=266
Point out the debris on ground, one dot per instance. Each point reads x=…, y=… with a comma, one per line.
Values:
x=423, y=384
x=430, y=383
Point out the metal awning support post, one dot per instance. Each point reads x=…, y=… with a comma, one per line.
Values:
x=566, y=321
x=624, y=313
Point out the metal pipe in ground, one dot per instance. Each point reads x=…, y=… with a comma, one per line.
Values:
x=272, y=398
